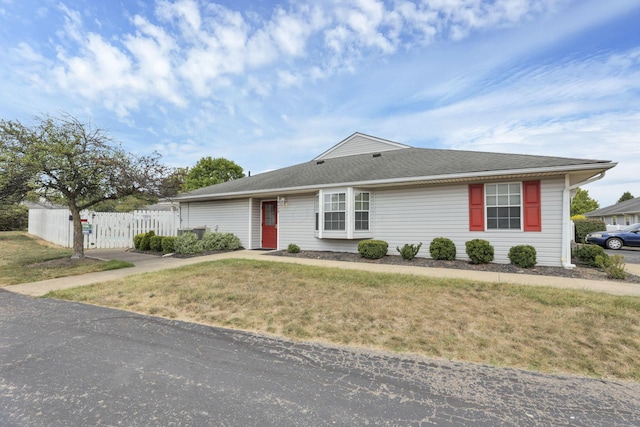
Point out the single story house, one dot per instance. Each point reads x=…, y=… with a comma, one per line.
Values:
x=618, y=215
x=370, y=188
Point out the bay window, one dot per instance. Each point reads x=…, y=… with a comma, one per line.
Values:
x=343, y=214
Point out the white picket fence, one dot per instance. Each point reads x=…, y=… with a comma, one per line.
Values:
x=102, y=230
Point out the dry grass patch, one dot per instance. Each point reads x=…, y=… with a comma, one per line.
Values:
x=544, y=329
x=24, y=259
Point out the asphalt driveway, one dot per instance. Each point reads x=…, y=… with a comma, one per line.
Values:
x=65, y=364
x=631, y=255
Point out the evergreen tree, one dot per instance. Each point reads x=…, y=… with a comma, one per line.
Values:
x=625, y=196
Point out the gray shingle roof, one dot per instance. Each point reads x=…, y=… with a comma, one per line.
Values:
x=627, y=207
x=404, y=164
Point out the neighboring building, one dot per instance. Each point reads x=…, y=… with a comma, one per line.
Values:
x=366, y=187
x=619, y=215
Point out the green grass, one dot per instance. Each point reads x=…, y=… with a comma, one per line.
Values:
x=26, y=259
x=537, y=328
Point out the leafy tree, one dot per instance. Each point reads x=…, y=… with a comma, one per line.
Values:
x=625, y=196
x=13, y=217
x=173, y=184
x=77, y=163
x=210, y=171
x=169, y=187
x=582, y=203
x=15, y=177
x=125, y=204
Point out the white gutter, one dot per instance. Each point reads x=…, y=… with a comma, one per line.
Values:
x=567, y=235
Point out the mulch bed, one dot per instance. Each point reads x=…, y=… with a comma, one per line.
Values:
x=580, y=272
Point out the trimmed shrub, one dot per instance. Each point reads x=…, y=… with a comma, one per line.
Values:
x=145, y=243
x=479, y=251
x=212, y=241
x=443, y=249
x=169, y=244
x=220, y=242
x=524, y=256
x=612, y=265
x=409, y=250
x=188, y=244
x=586, y=226
x=155, y=243
x=293, y=248
x=588, y=254
x=230, y=242
x=137, y=240
x=373, y=249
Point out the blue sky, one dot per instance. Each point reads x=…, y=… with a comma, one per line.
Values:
x=269, y=84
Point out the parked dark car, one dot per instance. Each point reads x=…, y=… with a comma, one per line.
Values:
x=628, y=236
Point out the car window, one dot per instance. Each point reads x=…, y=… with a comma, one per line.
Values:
x=632, y=228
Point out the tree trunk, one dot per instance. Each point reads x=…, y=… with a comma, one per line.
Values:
x=78, y=237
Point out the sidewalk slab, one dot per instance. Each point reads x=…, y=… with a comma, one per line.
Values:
x=145, y=263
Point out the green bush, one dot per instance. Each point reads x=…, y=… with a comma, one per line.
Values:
x=220, y=242
x=373, y=249
x=212, y=241
x=586, y=226
x=442, y=248
x=612, y=265
x=479, y=251
x=231, y=242
x=293, y=248
x=145, y=243
x=155, y=243
x=169, y=244
x=588, y=254
x=188, y=244
x=13, y=217
x=409, y=250
x=137, y=240
x=524, y=256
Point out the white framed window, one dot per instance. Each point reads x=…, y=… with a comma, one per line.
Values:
x=361, y=211
x=316, y=209
x=503, y=206
x=343, y=213
x=335, y=211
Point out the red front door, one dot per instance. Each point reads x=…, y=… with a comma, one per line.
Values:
x=270, y=225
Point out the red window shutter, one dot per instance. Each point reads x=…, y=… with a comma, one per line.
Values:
x=476, y=207
x=532, y=206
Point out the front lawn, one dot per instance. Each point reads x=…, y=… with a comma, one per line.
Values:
x=536, y=328
x=25, y=259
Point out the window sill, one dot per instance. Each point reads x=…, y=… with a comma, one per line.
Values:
x=342, y=235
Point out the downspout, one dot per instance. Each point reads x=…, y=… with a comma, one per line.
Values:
x=567, y=236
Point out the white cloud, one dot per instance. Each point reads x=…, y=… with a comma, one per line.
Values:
x=202, y=49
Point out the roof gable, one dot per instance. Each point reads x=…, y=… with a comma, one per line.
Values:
x=359, y=143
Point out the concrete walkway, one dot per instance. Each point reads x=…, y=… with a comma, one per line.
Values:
x=145, y=263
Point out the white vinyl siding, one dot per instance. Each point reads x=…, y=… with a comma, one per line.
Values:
x=297, y=224
x=414, y=215
x=360, y=144
x=255, y=225
x=397, y=215
x=226, y=216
